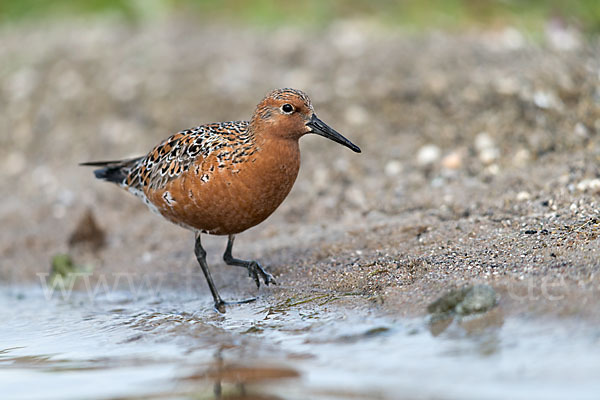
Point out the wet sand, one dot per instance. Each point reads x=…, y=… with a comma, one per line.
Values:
x=479, y=165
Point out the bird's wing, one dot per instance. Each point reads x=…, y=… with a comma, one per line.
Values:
x=176, y=154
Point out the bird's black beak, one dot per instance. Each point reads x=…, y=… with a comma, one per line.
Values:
x=321, y=128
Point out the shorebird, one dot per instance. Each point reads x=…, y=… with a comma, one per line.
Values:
x=223, y=178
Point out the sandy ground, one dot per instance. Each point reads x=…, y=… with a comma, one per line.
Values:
x=479, y=164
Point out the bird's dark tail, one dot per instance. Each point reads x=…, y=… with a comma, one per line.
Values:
x=113, y=171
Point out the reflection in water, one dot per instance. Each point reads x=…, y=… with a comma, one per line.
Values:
x=125, y=347
x=240, y=376
x=483, y=329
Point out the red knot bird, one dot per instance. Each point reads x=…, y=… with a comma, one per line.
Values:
x=226, y=177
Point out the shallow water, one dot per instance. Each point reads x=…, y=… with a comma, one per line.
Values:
x=175, y=346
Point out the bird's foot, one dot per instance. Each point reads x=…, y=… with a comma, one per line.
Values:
x=255, y=269
x=220, y=305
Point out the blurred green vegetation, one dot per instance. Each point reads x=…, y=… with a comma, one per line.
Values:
x=529, y=15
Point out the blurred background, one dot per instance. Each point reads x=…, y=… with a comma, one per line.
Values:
x=443, y=89
x=478, y=121
x=531, y=15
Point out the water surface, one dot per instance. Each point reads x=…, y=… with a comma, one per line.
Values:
x=174, y=345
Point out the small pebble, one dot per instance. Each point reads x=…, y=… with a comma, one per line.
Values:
x=479, y=299
x=486, y=148
x=581, y=130
x=428, y=155
x=492, y=169
x=522, y=196
x=87, y=233
x=592, y=185
x=452, y=160
x=464, y=301
x=483, y=141
x=521, y=157
x=546, y=100
x=393, y=168
x=488, y=156
x=562, y=37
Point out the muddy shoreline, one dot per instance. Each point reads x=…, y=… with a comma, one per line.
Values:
x=480, y=157
x=480, y=165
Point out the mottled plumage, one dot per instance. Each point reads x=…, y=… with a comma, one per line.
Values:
x=224, y=178
x=229, y=142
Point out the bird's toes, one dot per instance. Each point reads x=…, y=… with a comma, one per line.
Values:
x=253, y=273
x=268, y=278
x=255, y=269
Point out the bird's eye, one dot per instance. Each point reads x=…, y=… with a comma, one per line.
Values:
x=287, y=108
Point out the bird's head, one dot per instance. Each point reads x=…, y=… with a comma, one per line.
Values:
x=289, y=113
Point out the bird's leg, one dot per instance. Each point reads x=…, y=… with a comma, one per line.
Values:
x=201, y=257
x=253, y=267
